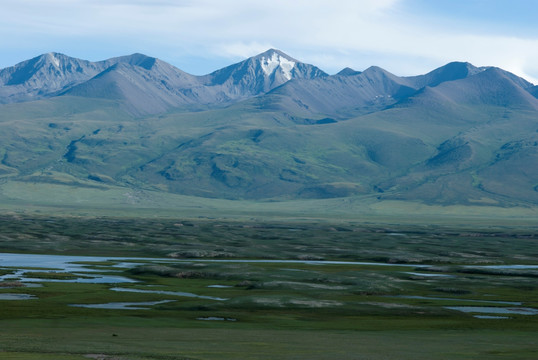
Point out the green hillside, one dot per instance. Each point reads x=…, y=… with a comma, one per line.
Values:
x=458, y=136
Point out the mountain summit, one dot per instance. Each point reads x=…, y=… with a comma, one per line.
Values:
x=44, y=76
x=147, y=85
x=261, y=73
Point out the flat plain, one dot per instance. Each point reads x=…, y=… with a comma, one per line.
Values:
x=253, y=289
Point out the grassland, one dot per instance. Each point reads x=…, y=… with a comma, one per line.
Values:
x=291, y=310
x=81, y=198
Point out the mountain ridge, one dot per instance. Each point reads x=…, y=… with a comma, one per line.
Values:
x=271, y=128
x=57, y=74
x=248, y=78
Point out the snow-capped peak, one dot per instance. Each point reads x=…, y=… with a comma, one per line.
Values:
x=52, y=57
x=270, y=64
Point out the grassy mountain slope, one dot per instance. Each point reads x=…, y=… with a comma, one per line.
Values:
x=458, y=135
x=240, y=152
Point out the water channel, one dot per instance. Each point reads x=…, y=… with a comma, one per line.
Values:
x=18, y=269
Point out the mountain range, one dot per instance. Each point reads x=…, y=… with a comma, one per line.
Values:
x=271, y=128
x=147, y=85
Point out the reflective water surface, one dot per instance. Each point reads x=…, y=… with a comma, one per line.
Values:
x=494, y=310
x=141, y=305
x=17, y=297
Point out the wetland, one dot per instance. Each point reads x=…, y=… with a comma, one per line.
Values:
x=210, y=289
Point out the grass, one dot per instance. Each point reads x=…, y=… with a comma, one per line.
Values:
x=294, y=240
x=268, y=344
x=282, y=310
x=52, y=275
x=38, y=199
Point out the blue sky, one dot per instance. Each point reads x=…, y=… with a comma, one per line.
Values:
x=406, y=37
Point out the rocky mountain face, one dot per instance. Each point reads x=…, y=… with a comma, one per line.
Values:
x=260, y=74
x=44, y=76
x=147, y=85
x=271, y=127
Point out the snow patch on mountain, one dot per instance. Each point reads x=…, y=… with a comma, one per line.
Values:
x=54, y=59
x=269, y=65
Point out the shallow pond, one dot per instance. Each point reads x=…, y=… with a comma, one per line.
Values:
x=81, y=266
x=63, y=263
x=214, y=318
x=501, y=267
x=53, y=262
x=454, y=299
x=141, y=305
x=70, y=263
x=173, y=293
x=83, y=278
x=306, y=262
x=17, y=297
x=494, y=310
x=429, y=275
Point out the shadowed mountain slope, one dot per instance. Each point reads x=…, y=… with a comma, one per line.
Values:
x=492, y=86
x=145, y=85
x=534, y=91
x=348, y=72
x=341, y=95
x=450, y=72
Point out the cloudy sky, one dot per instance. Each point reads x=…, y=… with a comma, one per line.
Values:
x=406, y=37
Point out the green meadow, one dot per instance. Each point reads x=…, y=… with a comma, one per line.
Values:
x=328, y=289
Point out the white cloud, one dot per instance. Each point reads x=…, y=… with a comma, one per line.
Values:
x=238, y=20
x=241, y=49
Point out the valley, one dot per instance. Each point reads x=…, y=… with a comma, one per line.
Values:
x=266, y=208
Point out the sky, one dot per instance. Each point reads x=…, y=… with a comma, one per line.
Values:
x=405, y=37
